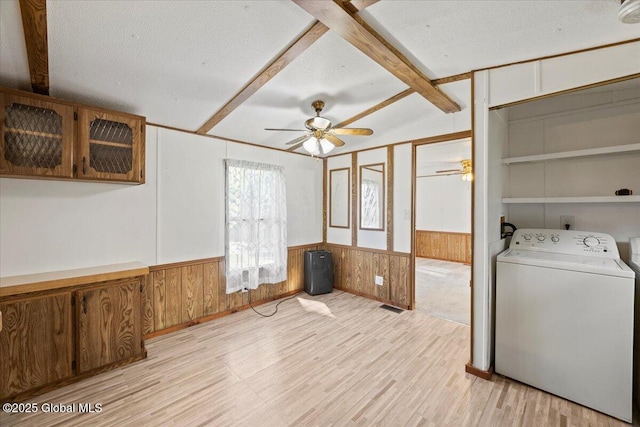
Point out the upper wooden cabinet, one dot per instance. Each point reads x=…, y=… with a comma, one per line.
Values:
x=50, y=138
x=37, y=137
x=109, y=146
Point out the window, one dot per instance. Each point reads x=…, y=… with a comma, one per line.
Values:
x=256, y=219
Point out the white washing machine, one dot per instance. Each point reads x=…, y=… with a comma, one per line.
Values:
x=564, y=317
x=634, y=263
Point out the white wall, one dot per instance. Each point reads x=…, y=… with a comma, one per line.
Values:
x=58, y=225
x=443, y=202
x=491, y=130
x=339, y=236
x=402, y=198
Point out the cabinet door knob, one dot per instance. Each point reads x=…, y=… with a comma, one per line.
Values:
x=84, y=165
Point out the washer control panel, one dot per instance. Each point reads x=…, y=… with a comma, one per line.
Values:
x=566, y=242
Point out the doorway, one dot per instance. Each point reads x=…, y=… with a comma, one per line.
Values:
x=442, y=213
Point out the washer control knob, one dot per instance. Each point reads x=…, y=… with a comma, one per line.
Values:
x=527, y=236
x=555, y=239
x=541, y=237
x=591, y=241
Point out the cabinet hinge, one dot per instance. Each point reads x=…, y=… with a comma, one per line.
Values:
x=75, y=115
x=73, y=300
x=75, y=168
x=141, y=343
x=141, y=174
x=141, y=288
x=73, y=365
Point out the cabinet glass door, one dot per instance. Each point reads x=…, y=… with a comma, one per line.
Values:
x=109, y=146
x=37, y=137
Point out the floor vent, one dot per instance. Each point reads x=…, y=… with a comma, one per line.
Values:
x=391, y=308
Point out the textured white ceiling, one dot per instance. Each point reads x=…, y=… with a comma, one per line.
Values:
x=178, y=62
x=450, y=37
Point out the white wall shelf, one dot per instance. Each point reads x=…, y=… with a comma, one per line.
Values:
x=586, y=199
x=627, y=148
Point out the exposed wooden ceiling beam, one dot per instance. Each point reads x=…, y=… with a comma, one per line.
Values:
x=399, y=96
x=451, y=79
x=356, y=31
x=376, y=107
x=353, y=6
x=34, y=24
x=292, y=52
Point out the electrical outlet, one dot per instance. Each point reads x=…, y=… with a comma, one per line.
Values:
x=379, y=280
x=567, y=222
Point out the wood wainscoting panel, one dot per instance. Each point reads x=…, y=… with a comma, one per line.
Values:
x=210, y=290
x=173, y=296
x=354, y=270
x=443, y=245
x=192, y=292
x=178, y=295
x=159, y=306
x=147, y=305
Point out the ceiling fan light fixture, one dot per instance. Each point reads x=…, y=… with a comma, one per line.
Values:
x=629, y=11
x=326, y=145
x=312, y=146
x=321, y=123
x=467, y=174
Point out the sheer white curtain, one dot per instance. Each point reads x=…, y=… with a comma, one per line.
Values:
x=256, y=217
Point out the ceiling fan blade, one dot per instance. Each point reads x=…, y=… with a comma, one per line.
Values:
x=450, y=170
x=300, y=139
x=298, y=145
x=439, y=174
x=287, y=130
x=334, y=140
x=351, y=131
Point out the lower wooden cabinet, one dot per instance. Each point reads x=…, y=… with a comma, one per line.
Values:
x=57, y=337
x=109, y=324
x=36, y=342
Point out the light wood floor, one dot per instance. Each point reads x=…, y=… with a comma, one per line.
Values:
x=334, y=359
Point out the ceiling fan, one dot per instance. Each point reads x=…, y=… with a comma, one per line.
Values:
x=466, y=171
x=320, y=137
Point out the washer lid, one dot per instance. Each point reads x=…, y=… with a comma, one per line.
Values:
x=587, y=264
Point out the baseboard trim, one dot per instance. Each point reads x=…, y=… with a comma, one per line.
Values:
x=485, y=375
x=371, y=297
x=214, y=316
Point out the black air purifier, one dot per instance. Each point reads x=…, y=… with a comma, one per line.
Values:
x=318, y=272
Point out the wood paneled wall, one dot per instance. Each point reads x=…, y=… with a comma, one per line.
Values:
x=183, y=294
x=354, y=270
x=444, y=245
